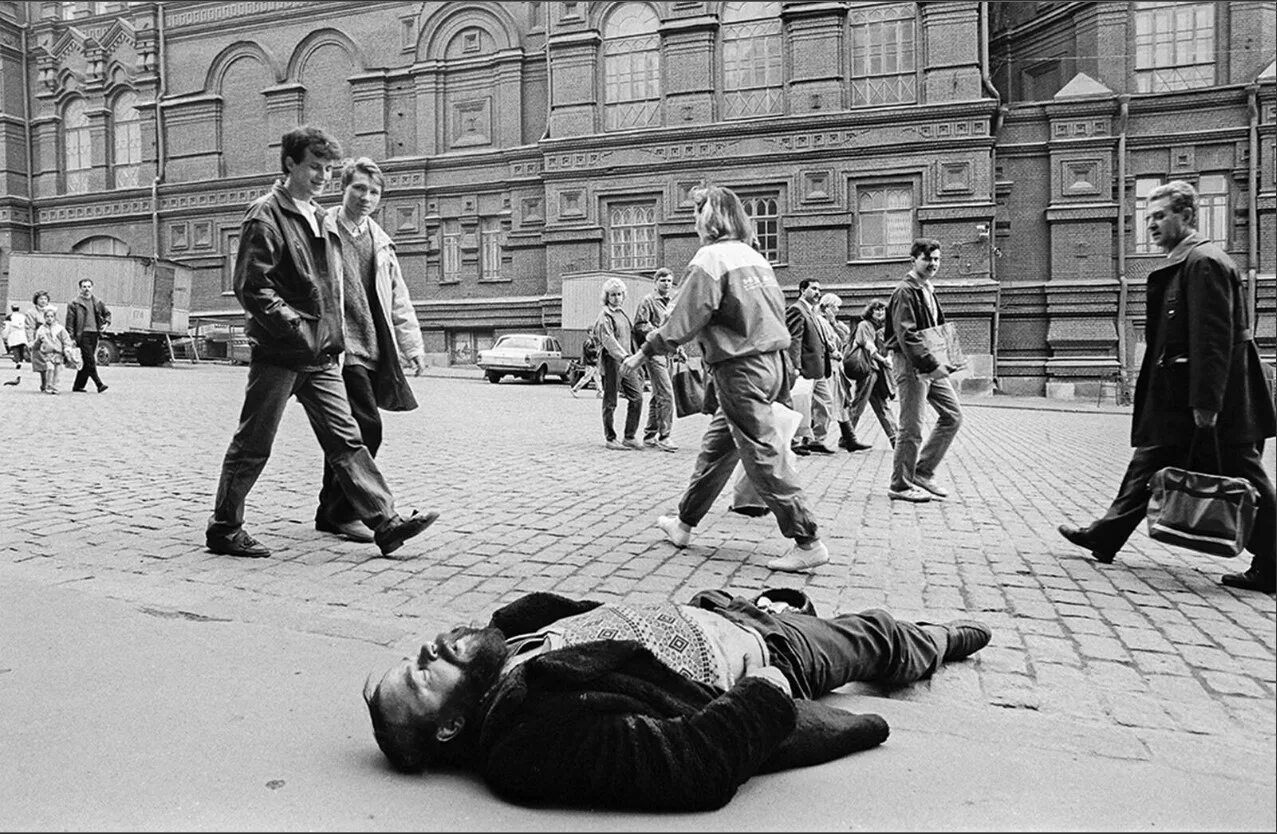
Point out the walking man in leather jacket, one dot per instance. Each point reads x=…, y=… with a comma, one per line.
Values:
x=1201, y=374
x=288, y=279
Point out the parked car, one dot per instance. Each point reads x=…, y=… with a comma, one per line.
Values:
x=528, y=355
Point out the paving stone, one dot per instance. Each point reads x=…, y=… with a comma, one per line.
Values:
x=536, y=503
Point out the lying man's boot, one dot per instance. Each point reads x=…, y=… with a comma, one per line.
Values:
x=394, y=531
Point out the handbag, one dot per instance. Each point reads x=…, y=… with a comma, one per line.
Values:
x=859, y=364
x=73, y=357
x=942, y=343
x=689, y=388
x=1206, y=512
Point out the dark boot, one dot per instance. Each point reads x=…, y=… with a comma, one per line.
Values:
x=844, y=428
x=849, y=435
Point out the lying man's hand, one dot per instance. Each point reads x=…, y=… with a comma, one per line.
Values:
x=771, y=674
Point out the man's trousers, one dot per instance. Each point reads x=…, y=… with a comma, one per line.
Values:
x=322, y=394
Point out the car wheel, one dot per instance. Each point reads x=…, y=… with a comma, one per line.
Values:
x=493, y=377
x=538, y=376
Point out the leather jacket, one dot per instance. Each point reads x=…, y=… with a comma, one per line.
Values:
x=289, y=283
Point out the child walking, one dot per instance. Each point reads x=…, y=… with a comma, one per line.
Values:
x=15, y=337
x=53, y=344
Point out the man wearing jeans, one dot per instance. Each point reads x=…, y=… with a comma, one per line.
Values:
x=920, y=378
x=288, y=278
x=652, y=312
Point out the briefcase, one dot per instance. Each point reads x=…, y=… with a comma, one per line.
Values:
x=1201, y=511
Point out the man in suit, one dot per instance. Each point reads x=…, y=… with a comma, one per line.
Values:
x=1201, y=374
x=811, y=356
x=653, y=706
x=87, y=317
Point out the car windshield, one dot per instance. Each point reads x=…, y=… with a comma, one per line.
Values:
x=519, y=343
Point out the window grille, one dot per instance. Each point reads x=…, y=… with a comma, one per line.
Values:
x=1174, y=46
x=885, y=220
x=1143, y=243
x=753, y=81
x=127, y=127
x=883, y=62
x=1212, y=208
x=450, y=260
x=490, y=251
x=78, y=160
x=632, y=236
x=765, y=212
x=632, y=68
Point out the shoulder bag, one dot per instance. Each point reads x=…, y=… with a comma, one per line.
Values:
x=1206, y=512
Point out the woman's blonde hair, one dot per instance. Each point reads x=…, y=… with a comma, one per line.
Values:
x=830, y=300
x=611, y=285
x=725, y=219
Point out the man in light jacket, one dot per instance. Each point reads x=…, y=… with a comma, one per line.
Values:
x=381, y=332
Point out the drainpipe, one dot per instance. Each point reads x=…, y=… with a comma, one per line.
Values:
x=549, y=78
x=26, y=129
x=995, y=125
x=1123, y=289
x=1252, y=202
x=160, y=150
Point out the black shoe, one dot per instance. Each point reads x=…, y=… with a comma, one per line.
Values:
x=1251, y=580
x=77, y=390
x=102, y=388
x=820, y=449
x=238, y=543
x=396, y=530
x=1082, y=539
x=802, y=451
x=355, y=531
x=966, y=637
x=855, y=445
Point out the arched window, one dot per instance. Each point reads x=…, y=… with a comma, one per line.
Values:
x=632, y=67
x=753, y=80
x=101, y=245
x=77, y=159
x=126, y=124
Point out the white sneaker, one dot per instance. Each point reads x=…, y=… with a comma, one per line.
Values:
x=801, y=559
x=913, y=493
x=675, y=533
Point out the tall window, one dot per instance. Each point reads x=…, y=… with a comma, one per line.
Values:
x=77, y=147
x=765, y=212
x=126, y=123
x=490, y=250
x=752, y=76
x=1174, y=46
x=632, y=68
x=1212, y=208
x=883, y=63
x=632, y=236
x=884, y=220
x=450, y=254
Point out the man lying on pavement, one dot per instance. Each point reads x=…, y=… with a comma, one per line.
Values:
x=655, y=706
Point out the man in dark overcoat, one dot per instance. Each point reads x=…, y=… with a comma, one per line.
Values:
x=1201, y=374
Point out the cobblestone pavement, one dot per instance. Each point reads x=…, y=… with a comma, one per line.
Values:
x=115, y=489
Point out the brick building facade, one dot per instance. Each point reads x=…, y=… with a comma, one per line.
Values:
x=526, y=142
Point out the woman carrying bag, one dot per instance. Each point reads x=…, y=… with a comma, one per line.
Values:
x=877, y=387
